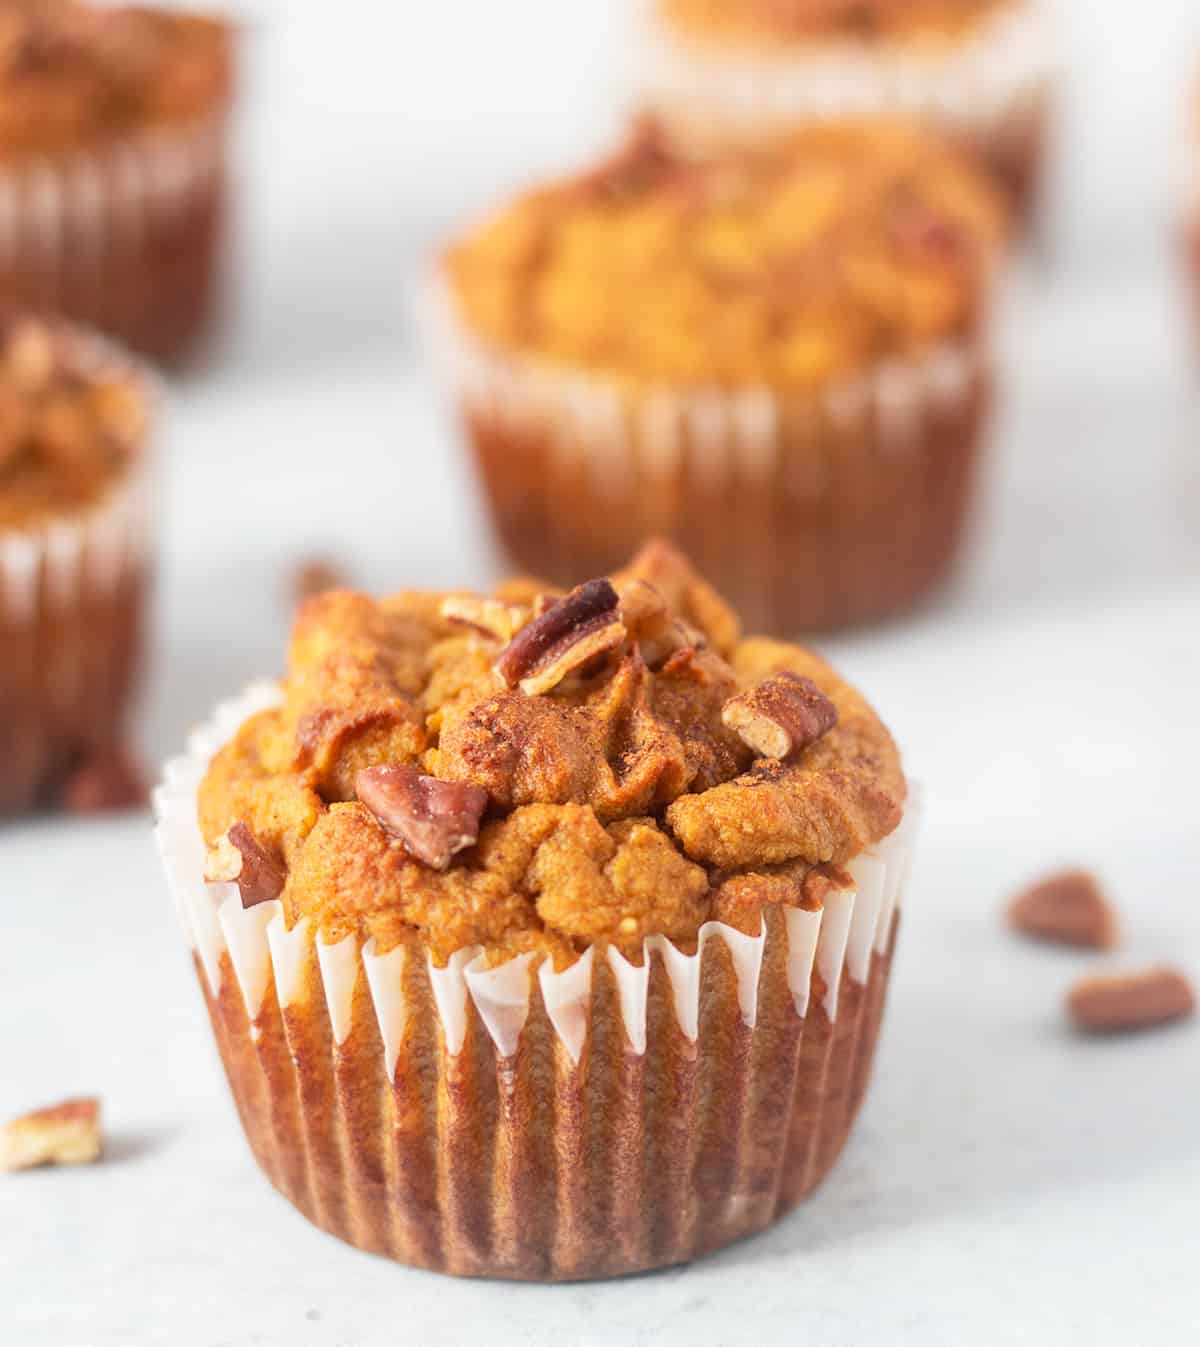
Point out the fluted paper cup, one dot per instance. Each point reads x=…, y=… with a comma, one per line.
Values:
x=72, y=599
x=124, y=236
x=811, y=511
x=991, y=89
x=518, y=1122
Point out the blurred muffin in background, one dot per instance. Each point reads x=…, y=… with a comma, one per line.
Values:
x=75, y=419
x=777, y=358
x=112, y=132
x=721, y=72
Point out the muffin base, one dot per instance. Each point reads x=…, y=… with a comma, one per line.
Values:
x=811, y=512
x=503, y=1122
x=72, y=598
x=993, y=91
x=125, y=238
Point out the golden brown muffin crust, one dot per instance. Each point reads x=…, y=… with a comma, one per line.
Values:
x=619, y=802
x=774, y=21
x=786, y=266
x=74, y=74
x=67, y=433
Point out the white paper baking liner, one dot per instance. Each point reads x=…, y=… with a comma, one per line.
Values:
x=714, y=92
x=722, y=438
x=836, y=941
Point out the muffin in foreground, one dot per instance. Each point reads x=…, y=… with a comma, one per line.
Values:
x=75, y=428
x=720, y=73
x=112, y=146
x=544, y=936
x=779, y=359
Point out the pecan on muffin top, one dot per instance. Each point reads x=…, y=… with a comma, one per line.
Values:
x=545, y=772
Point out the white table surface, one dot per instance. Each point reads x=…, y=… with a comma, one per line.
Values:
x=1008, y=1182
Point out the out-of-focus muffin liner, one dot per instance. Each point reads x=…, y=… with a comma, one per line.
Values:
x=991, y=89
x=72, y=594
x=123, y=236
x=515, y=1122
x=811, y=511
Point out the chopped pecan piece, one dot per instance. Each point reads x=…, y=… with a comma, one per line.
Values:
x=238, y=857
x=316, y=575
x=1116, y=1003
x=487, y=617
x=781, y=716
x=584, y=624
x=1068, y=908
x=66, y=1134
x=435, y=820
x=648, y=618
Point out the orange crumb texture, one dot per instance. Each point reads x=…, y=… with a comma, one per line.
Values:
x=805, y=20
x=619, y=804
x=786, y=266
x=72, y=74
x=68, y=430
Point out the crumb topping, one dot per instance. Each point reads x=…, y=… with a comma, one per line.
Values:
x=788, y=265
x=67, y=431
x=72, y=73
x=806, y=20
x=407, y=789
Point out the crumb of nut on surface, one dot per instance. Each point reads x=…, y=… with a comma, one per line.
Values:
x=107, y=781
x=64, y=1134
x=1110, y=1003
x=1068, y=907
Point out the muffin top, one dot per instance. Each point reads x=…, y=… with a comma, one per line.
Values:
x=784, y=266
x=543, y=772
x=72, y=74
x=798, y=21
x=69, y=427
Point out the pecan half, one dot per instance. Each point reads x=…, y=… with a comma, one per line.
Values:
x=1119, y=1002
x=781, y=716
x=487, y=617
x=435, y=820
x=584, y=624
x=238, y=857
x=1068, y=908
x=66, y=1134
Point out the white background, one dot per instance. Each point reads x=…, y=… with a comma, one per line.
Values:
x=1008, y=1183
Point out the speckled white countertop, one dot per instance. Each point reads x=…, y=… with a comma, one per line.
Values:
x=1008, y=1182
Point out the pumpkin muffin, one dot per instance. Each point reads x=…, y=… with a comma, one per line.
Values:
x=75, y=420
x=544, y=935
x=778, y=358
x=112, y=147
x=735, y=72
